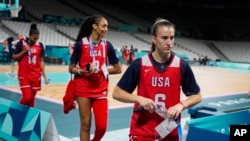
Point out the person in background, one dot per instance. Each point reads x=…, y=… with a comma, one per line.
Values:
x=11, y=50
x=12, y=47
x=125, y=54
x=88, y=63
x=30, y=56
x=131, y=54
x=159, y=77
x=6, y=52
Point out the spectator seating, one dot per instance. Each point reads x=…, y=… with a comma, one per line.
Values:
x=235, y=51
x=38, y=8
x=48, y=34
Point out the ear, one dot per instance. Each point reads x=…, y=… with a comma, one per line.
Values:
x=153, y=39
x=94, y=26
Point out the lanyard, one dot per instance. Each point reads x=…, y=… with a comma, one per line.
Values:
x=91, y=49
x=179, y=131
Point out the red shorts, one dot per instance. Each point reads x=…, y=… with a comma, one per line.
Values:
x=35, y=85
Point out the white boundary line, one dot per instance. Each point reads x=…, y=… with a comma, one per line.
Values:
x=38, y=96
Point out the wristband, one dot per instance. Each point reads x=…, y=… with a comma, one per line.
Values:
x=184, y=107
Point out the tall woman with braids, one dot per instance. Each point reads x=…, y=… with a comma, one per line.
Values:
x=89, y=64
x=30, y=53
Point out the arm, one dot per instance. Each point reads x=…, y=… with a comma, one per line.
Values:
x=19, y=52
x=116, y=65
x=116, y=69
x=74, y=59
x=46, y=80
x=190, y=88
x=124, y=96
x=127, y=84
x=192, y=100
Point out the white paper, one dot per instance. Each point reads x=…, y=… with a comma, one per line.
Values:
x=165, y=127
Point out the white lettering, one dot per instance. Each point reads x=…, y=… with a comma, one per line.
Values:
x=96, y=53
x=240, y=132
x=160, y=82
x=229, y=102
x=214, y=104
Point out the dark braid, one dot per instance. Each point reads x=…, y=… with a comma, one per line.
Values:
x=86, y=27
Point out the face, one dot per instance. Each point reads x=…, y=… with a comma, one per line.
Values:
x=33, y=38
x=164, y=39
x=101, y=28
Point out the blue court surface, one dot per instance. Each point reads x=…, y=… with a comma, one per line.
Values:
x=68, y=125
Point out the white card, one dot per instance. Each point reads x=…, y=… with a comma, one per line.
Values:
x=165, y=127
x=105, y=71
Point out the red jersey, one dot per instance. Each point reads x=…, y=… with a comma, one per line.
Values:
x=125, y=53
x=29, y=65
x=92, y=84
x=163, y=88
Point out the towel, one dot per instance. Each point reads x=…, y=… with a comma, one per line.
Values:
x=69, y=97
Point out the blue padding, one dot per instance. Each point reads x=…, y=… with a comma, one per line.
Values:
x=19, y=122
x=216, y=127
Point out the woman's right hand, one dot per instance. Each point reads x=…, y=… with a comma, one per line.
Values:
x=147, y=103
x=92, y=68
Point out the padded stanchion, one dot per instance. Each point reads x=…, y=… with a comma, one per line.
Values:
x=23, y=123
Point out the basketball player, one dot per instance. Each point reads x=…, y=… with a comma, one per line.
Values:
x=30, y=53
x=159, y=77
x=89, y=64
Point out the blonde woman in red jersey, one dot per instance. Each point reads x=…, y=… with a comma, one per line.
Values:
x=30, y=53
x=88, y=63
x=159, y=77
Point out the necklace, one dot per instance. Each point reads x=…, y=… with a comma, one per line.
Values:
x=96, y=41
